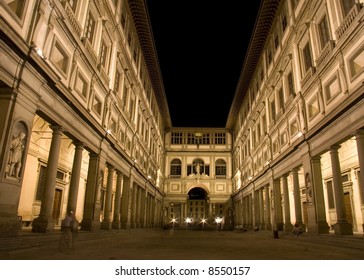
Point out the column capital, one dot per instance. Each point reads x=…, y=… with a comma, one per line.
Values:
x=56, y=128
x=78, y=144
x=334, y=147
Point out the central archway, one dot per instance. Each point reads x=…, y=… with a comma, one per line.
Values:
x=197, y=205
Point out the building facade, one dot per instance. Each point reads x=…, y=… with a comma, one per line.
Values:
x=85, y=125
x=298, y=129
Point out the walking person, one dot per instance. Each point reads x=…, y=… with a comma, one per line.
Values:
x=66, y=240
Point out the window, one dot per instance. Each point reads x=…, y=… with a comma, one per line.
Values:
x=117, y=81
x=191, y=138
x=273, y=110
x=293, y=127
x=291, y=84
x=356, y=63
x=81, y=85
x=97, y=105
x=284, y=20
x=17, y=7
x=313, y=107
x=220, y=168
x=324, y=32
x=90, y=27
x=103, y=54
x=346, y=6
x=41, y=182
x=205, y=138
x=283, y=139
x=176, y=167
x=332, y=88
x=177, y=138
x=60, y=58
x=220, y=138
x=281, y=99
x=307, y=59
x=73, y=4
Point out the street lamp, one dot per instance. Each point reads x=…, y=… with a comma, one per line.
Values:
x=218, y=221
x=203, y=221
x=188, y=221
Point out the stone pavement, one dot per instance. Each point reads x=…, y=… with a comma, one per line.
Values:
x=182, y=244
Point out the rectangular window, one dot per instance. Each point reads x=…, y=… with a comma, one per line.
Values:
x=81, y=85
x=60, y=58
x=17, y=6
x=313, y=107
x=291, y=84
x=283, y=138
x=307, y=57
x=356, y=63
x=293, y=127
x=332, y=88
x=273, y=110
x=205, y=138
x=324, y=32
x=41, y=182
x=97, y=105
x=103, y=54
x=220, y=138
x=177, y=138
x=281, y=99
x=73, y=4
x=90, y=27
x=117, y=81
x=347, y=5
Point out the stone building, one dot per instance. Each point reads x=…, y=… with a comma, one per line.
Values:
x=85, y=124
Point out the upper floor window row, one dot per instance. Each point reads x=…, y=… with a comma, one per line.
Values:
x=198, y=138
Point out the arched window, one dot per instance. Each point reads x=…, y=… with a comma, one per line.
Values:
x=198, y=167
x=220, y=168
x=176, y=167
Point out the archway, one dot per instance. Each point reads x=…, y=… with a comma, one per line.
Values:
x=197, y=205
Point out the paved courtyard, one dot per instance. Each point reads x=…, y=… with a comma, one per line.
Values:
x=156, y=244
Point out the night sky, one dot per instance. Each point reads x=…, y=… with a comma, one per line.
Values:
x=201, y=48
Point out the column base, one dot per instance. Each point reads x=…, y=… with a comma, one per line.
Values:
x=42, y=224
x=322, y=228
x=106, y=225
x=89, y=225
x=288, y=227
x=9, y=227
x=268, y=227
x=343, y=229
x=116, y=225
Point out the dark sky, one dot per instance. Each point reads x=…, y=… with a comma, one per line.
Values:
x=201, y=47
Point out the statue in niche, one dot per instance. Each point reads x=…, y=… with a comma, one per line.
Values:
x=16, y=155
x=308, y=188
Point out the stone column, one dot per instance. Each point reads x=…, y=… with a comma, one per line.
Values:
x=116, y=224
x=126, y=201
x=297, y=198
x=44, y=223
x=106, y=222
x=261, y=209
x=143, y=208
x=75, y=177
x=359, y=136
x=267, y=219
x=287, y=215
x=342, y=227
x=319, y=220
x=277, y=197
x=92, y=206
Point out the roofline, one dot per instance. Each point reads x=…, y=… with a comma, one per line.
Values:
x=263, y=23
x=143, y=25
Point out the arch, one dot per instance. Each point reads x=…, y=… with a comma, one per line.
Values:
x=197, y=193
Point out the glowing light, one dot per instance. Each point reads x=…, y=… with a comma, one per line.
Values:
x=39, y=52
x=188, y=220
x=218, y=220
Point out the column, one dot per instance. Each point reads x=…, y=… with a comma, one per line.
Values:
x=277, y=197
x=342, y=227
x=75, y=177
x=359, y=136
x=143, y=208
x=261, y=209
x=116, y=224
x=92, y=206
x=44, y=222
x=287, y=215
x=297, y=198
x=318, y=220
x=268, y=219
x=106, y=222
x=126, y=201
